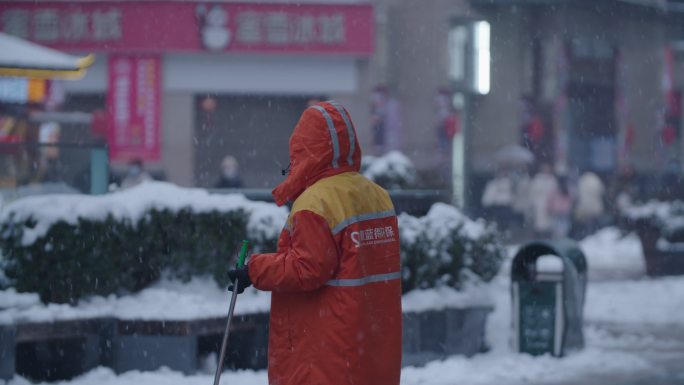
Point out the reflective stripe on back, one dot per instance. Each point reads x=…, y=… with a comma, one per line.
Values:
x=333, y=135
x=350, y=131
x=362, y=217
x=365, y=280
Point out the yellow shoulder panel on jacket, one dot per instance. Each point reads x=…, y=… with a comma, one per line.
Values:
x=343, y=196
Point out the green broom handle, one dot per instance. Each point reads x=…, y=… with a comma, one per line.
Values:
x=243, y=253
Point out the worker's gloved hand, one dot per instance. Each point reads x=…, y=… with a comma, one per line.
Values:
x=242, y=275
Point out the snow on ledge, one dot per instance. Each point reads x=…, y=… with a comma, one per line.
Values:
x=166, y=300
x=445, y=297
x=198, y=299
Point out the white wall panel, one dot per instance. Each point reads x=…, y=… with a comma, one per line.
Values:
x=260, y=74
x=241, y=74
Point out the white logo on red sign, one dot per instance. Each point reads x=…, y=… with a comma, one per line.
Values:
x=373, y=236
x=214, y=30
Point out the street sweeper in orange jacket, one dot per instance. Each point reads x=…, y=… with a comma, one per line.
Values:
x=335, y=278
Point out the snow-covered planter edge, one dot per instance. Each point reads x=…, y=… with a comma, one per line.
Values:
x=66, y=247
x=446, y=248
x=660, y=227
x=392, y=170
x=668, y=217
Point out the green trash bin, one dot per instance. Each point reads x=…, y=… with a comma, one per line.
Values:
x=548, y=287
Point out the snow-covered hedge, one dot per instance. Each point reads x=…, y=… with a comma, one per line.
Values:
x=666, y=216
x=446, y=248
x=392, y=170
x=65, y=247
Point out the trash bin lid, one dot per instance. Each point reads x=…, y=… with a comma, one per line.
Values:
x=528, y=254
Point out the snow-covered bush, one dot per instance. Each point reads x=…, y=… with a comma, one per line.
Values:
x=667, y=217
x=65, y=247
x=446, y=248
x=392, y=170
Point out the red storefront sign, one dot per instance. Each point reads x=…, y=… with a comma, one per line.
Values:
x=133, y=100
x=164, y=26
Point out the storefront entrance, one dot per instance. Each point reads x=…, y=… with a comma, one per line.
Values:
x=253, y=129
x=593, y=137
x=591, y=103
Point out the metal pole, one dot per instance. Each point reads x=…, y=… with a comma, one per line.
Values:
x=224, y=344
x=222, y=356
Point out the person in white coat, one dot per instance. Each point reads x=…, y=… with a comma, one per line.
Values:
x=497, y=199
x=542, y=186
x=135, y=175
x=590, y=208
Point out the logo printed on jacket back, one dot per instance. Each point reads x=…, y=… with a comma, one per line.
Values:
x=373, y=236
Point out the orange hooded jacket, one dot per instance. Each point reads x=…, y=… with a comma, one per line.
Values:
x=336, y=301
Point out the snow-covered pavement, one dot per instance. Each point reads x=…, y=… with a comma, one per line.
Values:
x=634, y=331
x=629, y=341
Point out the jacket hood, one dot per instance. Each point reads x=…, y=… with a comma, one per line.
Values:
x=322, y=144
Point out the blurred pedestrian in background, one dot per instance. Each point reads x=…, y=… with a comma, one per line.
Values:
x=590, y=209
x=497, y=199
x=559, y=207
x=543, y=184
x=378, y=110
x=230, y=174
x=522, y=204
x=672, y=181
x=135, y=175
x=624, y=191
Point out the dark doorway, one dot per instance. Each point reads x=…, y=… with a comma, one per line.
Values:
x=253, y=129
x=592, y=144
x=591, y=103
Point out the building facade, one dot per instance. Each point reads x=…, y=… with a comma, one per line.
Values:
x=185, y=84
x=585, y=85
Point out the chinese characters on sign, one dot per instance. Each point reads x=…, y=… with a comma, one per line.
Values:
x=52, y=25
x=283, y=28
x=192, y=26
x=374, y=236
x=134, y=107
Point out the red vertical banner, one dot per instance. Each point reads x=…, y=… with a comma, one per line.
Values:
x=134, y=106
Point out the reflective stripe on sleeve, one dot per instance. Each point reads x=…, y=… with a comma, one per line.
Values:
x=333, y=135
x=363, y=217
x=350, y=131
x=365, y=280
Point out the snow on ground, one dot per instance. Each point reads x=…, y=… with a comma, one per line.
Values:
x=491, y=369
x=612, y=253
x=500, y=365
x=485, y=369
x=637, y=303
x=658, y=302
